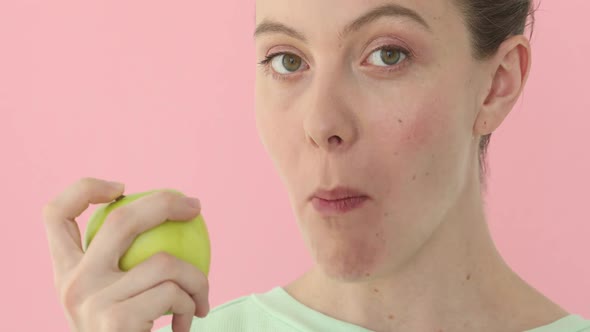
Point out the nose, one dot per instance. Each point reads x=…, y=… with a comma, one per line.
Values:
x=330, y=122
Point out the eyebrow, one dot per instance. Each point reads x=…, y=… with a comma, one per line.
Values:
x=387, y=10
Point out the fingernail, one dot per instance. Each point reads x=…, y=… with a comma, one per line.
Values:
x=116, y=185
x=193, y=202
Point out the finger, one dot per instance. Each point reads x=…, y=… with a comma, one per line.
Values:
x=124, y=223
x=154, y=302
x=160, y=268
x=59, y=216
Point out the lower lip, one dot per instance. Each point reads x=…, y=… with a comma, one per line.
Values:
x=339, y=206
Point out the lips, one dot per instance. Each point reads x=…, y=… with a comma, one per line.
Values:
x=338, y=193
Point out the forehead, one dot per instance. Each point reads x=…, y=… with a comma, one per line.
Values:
x=327, y=15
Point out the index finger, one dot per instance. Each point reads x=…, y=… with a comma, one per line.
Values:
x=59, y=214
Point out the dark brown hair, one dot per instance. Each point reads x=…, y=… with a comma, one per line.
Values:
x=490, y=22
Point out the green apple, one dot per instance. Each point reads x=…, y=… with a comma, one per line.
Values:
x=186, y=240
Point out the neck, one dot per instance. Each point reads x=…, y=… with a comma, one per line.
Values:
x=456, y=281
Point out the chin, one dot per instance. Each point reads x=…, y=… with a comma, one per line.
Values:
x=350, y=263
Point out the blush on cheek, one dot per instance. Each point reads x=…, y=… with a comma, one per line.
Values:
x=424, y=129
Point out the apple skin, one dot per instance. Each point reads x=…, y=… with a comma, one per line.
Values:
x=186, y=240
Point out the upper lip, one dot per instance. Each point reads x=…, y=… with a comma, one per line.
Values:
x=336, y=193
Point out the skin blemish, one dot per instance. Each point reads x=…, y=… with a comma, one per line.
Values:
x=400, y=121
x=375, y=290
x=414, y=177
x=427, y=173
x=367, y=274
x=391, y=317
x=468, y=276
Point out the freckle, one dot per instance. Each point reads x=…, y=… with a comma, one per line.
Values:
x=396, y=153
x=386, y=214
x=400, y=121
x=367, y=274
x=427, y=173
x=391, y=316
x=375, y=290
x=468, y=276
x=414, y=177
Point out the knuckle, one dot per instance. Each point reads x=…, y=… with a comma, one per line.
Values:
x=122, y=219
x=119, y=214
x=164, y=261
x=85, y=185
x=167, y=198
x=71, y=295
x=50, y=210
x=171, y=288
x=89, y=307
x=87, y=180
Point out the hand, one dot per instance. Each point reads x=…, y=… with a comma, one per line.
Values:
x=95, y=294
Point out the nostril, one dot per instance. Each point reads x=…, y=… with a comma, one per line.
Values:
x=337, y=138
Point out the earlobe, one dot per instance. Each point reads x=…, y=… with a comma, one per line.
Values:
x=511, y=67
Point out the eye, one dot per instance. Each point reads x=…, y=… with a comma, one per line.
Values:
x=387, y=56
x=285, y=63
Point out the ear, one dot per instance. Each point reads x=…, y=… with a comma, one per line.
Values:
x=510, y=68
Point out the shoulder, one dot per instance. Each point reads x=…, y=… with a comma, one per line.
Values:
x=569, y=323
x=240, y=314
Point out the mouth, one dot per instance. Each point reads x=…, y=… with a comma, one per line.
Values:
x=338, y=193
x=338, y=201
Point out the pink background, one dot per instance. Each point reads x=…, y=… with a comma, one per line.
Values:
x=161, y=94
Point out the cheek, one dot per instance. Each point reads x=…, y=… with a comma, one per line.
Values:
x=279, y=138
x=409, y=148
x=426, y=127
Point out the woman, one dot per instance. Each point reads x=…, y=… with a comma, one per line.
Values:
x=377, y=115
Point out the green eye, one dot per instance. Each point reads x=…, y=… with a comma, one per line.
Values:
x=390, y=57
x=384, y=57
x=286, y=63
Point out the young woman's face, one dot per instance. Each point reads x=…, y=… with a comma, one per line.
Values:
x=387, y=106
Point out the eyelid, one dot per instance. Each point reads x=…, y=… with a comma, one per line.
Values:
x=384, y=41
x=408, y=54
x=283, y=49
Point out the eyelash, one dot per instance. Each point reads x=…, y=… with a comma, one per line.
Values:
x=266, y=63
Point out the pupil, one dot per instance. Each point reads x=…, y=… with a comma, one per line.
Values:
x=390, y=57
